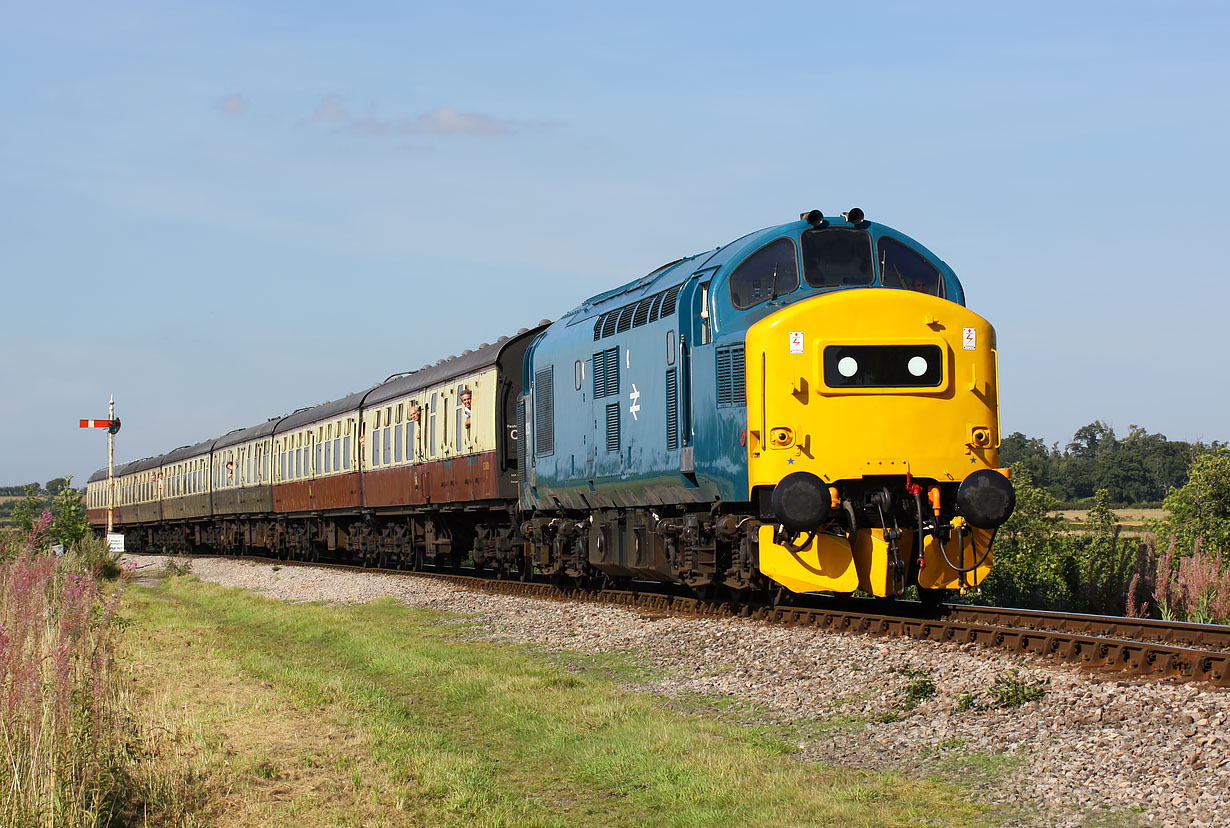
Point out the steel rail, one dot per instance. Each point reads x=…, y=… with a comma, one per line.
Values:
x=1180, y=633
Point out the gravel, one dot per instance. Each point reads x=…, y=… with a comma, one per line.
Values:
x=1156, y=752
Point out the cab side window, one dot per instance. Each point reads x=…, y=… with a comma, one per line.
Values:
x=901, y=267
x=771, y=271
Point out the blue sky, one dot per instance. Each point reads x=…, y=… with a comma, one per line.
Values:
x=221, y=212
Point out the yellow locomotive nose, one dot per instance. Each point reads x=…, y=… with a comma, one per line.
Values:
x=889, y=399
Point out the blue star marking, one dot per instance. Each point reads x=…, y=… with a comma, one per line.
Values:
x=790, y=460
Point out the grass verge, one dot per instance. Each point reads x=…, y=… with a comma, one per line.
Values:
x=379, y=715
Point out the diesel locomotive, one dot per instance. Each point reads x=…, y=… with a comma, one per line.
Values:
x=810, y=407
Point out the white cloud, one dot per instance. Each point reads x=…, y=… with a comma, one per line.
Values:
x=234, y=104
x=330, y=109
x=443, y=120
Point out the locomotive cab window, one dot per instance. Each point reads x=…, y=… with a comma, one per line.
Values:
x=833, y=257
x=771, y=271
x=901, y=267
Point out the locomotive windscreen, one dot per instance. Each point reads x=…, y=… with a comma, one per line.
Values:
x=834, y=257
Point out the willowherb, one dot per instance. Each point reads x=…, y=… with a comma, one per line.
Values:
x=1192, y=587
x=62, y=744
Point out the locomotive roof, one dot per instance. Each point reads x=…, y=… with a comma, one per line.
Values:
x=677, y=272
x=666, y=276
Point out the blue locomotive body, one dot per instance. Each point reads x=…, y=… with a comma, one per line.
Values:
x=637, y=396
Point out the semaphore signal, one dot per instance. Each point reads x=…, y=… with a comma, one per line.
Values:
x=111, y=425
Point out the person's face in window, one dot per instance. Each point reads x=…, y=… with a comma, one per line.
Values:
x=465, y=398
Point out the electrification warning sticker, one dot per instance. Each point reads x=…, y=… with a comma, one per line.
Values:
x=969, y=339
x=796, y=342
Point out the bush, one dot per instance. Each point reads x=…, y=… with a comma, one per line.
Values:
x=91, y=555
x=1201, y=508
x=64, y=756
x=1029, y=552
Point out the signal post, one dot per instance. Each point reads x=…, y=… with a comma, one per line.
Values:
x=112, y=424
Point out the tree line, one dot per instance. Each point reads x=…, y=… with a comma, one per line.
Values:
x=1140, y=468
x=52, y=488
x=1177, y=568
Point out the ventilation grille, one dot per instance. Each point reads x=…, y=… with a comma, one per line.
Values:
x=606, y=373
x=672, y=411
x=544, y=412
x=668, y=301
x=521, y=441
x=642, y=312
x=649, y=309
x=612, y=427
x=730, y=381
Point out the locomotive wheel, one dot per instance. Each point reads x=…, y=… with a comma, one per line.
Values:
x=932, y=599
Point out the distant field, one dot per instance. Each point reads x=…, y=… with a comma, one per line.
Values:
x=10, y=498
x=1132, y=520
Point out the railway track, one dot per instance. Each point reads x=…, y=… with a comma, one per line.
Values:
x=1139, y=647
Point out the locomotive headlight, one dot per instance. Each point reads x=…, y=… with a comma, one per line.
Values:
x=917, y=366
x=847, y=366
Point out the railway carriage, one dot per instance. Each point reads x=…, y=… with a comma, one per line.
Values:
x=184, y=476
x=810, y=406
x=418, y=469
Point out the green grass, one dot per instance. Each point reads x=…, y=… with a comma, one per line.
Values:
x=381, y=715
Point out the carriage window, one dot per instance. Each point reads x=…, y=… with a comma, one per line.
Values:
x=397, y=442
x=835, y=258
x=901, y=267
x=771, y=271
x=346, y=453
